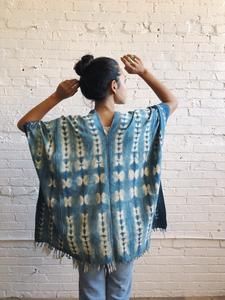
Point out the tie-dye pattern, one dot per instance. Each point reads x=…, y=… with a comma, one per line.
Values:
x=98, y=191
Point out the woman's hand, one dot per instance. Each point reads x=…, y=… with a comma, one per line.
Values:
x=64, y=90
x=67, y=89
x=133, y=64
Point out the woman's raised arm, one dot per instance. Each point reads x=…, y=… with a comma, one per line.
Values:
x=64, y=90
x=134, y=65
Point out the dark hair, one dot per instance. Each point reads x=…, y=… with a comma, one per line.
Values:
x=96, y=75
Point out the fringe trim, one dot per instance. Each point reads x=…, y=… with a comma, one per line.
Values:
x=85, y=266
x=159, y=229
x=48, y=249
x=163, y=230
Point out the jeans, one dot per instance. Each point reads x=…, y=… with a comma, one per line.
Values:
x=98, y=285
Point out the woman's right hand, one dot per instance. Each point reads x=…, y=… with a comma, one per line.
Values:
x=64, y=90
x=133, y=64
x=67, y=89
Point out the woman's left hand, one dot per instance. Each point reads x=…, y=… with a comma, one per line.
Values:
x=133, y=64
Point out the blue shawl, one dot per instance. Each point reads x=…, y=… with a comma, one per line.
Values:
x=100, y=195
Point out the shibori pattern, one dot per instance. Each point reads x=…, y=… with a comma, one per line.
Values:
x=98, y=187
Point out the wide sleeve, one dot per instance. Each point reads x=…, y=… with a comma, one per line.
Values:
x=156, y=116
x=41, y=137
x=164, y=110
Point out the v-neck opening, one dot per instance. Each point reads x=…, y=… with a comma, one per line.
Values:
x=114, y=124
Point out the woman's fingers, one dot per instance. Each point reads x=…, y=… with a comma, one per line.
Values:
x=130, y=56
x=130, y=59
x=73, y=84
x=67, y=88
x=133, y=64
x=130, y=62
x=75, y=87
x=127, y=62
x=73, y=81
x=76, y=83
x=135, y=58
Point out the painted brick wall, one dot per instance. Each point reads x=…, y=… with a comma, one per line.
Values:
x=183, y=44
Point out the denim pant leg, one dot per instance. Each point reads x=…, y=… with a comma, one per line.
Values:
x=92, y=285
x=119, y=282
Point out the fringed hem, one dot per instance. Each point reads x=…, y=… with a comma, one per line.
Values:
x=48, y=249
x=85, y=266
x=159, y=229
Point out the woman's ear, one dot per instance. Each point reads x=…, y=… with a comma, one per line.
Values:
x=114, y=86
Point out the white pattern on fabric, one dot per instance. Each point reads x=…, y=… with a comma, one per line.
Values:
x=98, y=192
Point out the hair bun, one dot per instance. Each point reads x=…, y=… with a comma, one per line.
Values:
x=82, y=64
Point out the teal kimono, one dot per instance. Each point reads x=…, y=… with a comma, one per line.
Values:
x=100, y=194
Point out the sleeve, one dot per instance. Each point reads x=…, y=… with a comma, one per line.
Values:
x=164, y=111
x=157, y=117
x=41, y=136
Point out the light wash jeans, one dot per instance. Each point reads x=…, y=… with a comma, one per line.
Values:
x=98, y=285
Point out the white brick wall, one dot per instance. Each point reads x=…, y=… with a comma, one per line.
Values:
x=183, y=43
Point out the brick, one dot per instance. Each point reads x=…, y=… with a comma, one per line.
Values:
x=85, y=6
x=220, y=29
x=39, y=43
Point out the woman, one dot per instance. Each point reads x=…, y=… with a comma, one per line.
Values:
x=99, y=174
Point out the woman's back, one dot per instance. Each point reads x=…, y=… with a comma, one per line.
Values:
x=98, y=190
